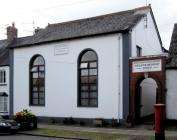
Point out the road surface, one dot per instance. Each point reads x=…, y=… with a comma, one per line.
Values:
x=25, y=137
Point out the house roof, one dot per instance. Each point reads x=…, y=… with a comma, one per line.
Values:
x=4, y=52
x=105, y=24
x=172, y=60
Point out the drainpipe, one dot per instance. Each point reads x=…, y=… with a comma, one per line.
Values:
x=119, y=78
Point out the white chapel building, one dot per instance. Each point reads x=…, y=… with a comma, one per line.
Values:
x=80, y=68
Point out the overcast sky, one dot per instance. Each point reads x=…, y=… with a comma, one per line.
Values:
x=29, y=14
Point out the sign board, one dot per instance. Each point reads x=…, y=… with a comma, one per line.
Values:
x=61, y=49
x=147, y=66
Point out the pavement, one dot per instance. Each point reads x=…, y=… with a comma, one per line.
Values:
x=135, y=131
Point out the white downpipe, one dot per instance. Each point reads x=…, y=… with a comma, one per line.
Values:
x=119, y=60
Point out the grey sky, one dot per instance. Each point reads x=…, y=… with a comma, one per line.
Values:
x=42, y=12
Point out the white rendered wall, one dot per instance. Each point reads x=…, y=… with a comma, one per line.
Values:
x=5, y=86
x=146, y=38
x=61, y=78
x=148, y=96
x=171, y=95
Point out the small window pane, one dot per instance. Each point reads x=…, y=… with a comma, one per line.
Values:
x=41, y=74
x=84, y=72
x=84, y=102
x=93, y=102
x=34, y=69
x=93, y=65
x=84, y=65
x=35, y=75
x=84, y=87
x=35, y=95
x=41, y=95
x=41, y=101
x=92, y=79
x=35, y=88
x=93, y=95
x=93, y=72
x=35, y=101
x=41, y=68
x=93, y=87
x=84, y=94
x=84, y=79
x=38, y=61
x=41, y=89
x=35, y=81
x=41, y=81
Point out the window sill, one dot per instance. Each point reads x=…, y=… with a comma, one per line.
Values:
x=4, y=112
x=79, y=106
x=37, y=105
x=3, y=84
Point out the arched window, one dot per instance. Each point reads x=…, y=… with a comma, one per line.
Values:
x=37, y=81
x=88, y=79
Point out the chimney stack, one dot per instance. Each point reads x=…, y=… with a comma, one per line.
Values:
x=37, y=30
x=11, y=32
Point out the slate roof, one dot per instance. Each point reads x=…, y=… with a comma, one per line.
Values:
x=111, y=23
x=172, y=60
x=4, y=52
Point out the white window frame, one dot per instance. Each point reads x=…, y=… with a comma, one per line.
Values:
x=2, y=77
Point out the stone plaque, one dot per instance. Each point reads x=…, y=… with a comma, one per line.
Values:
x=61, y=49
x=147, y=66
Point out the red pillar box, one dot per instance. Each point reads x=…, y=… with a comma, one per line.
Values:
x=159, y=121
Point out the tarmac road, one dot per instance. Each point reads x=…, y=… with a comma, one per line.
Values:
x=26, y=137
